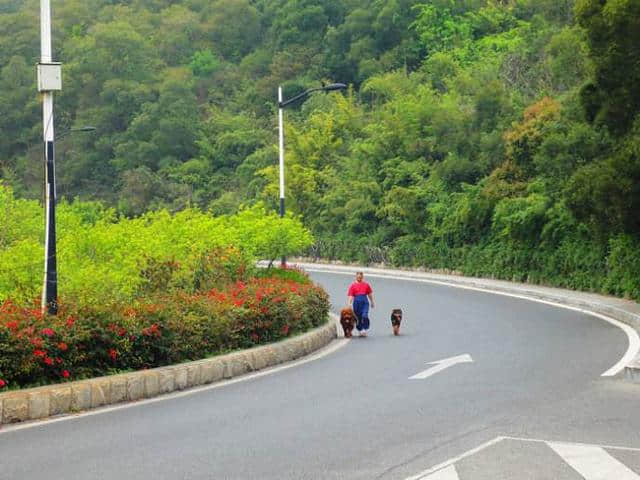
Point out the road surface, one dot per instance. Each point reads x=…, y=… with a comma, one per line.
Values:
x=533, y=383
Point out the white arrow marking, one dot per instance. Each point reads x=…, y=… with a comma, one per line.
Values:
x=441, y=365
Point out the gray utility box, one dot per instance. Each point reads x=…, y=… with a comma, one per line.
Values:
x=49, y=77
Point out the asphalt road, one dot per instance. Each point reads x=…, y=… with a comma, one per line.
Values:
x=355, y=414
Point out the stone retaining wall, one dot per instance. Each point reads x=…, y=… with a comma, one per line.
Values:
x=42, y=402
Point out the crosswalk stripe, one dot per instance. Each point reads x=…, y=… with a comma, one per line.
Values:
x=448, y=473
x=593, y=463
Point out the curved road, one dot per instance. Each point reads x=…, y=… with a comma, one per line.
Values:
x=355, y=414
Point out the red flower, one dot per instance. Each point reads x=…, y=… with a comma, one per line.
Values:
x=12, y=325
x=48, y=332
x=65, y=373
x=39, y=353
x=58, y=360
x=70, y=321
x=48, y=361
x=2, y=383
x=36, y=342
x=285, y=329
x=255, y=337
x=63, y=346
x=113, y=354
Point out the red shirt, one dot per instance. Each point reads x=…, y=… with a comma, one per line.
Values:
x=359, y=288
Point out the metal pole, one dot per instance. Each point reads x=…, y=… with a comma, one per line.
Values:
x=281, y=150
x=50, y=287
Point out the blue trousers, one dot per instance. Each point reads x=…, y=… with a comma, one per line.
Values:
x=361, y=309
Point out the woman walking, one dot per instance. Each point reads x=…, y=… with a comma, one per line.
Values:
x=360, y=296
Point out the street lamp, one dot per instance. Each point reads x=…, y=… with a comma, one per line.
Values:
x=74, y=130
x=281, y=105
x=49, y=81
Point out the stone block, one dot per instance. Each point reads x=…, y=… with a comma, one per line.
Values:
x=80, y=396
x=180, y=377
x=281, y=353
x=38, y=405
x=194, y=375
x=15, y=408
x=100, y=391
x=212, y=370
x=166, y=380
x=270, y=355
x=260, y=358
x=632, y=373
x=306, y=345
x=151, y=384
x=235, y=364
x=118, y=389
x=135, y=386
x=59, y=400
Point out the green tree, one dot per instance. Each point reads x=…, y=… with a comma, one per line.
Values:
x=613, y=34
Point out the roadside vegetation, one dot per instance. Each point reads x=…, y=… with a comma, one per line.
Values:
x=145, y=292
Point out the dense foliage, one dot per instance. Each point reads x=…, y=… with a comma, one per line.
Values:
x=492, y=137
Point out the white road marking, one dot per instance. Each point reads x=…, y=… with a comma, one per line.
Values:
x=593, y=463
x=424, y=474
x=597, y=451
x=441, y=365
x=448, y=473
x=608, y=447
x=632, y=335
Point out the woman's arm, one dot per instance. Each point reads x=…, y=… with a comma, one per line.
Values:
x=370, y=296
x=350, y=300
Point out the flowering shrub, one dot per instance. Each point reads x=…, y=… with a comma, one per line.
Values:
x=157, y=330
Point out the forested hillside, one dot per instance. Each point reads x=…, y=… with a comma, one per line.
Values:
x=496, y=138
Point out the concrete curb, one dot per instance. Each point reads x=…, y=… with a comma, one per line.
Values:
x=42, y=402
x=625, y=311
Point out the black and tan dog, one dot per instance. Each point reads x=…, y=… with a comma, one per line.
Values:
x=347, y=320
x=396, y=319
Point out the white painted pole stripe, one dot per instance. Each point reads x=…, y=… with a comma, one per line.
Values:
x=593, y=463
x=448, y=473
x=632, y=336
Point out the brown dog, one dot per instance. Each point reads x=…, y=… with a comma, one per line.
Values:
x=396, y=319
x=347, y=320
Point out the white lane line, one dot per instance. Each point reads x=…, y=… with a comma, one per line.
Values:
x=441, y=365
x=448, y=473
x=329, y=349
x=632, y=335
x=593, y=463
x=424, y=474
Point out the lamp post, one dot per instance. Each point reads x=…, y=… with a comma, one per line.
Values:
x=281, y=105
x=49, y=80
